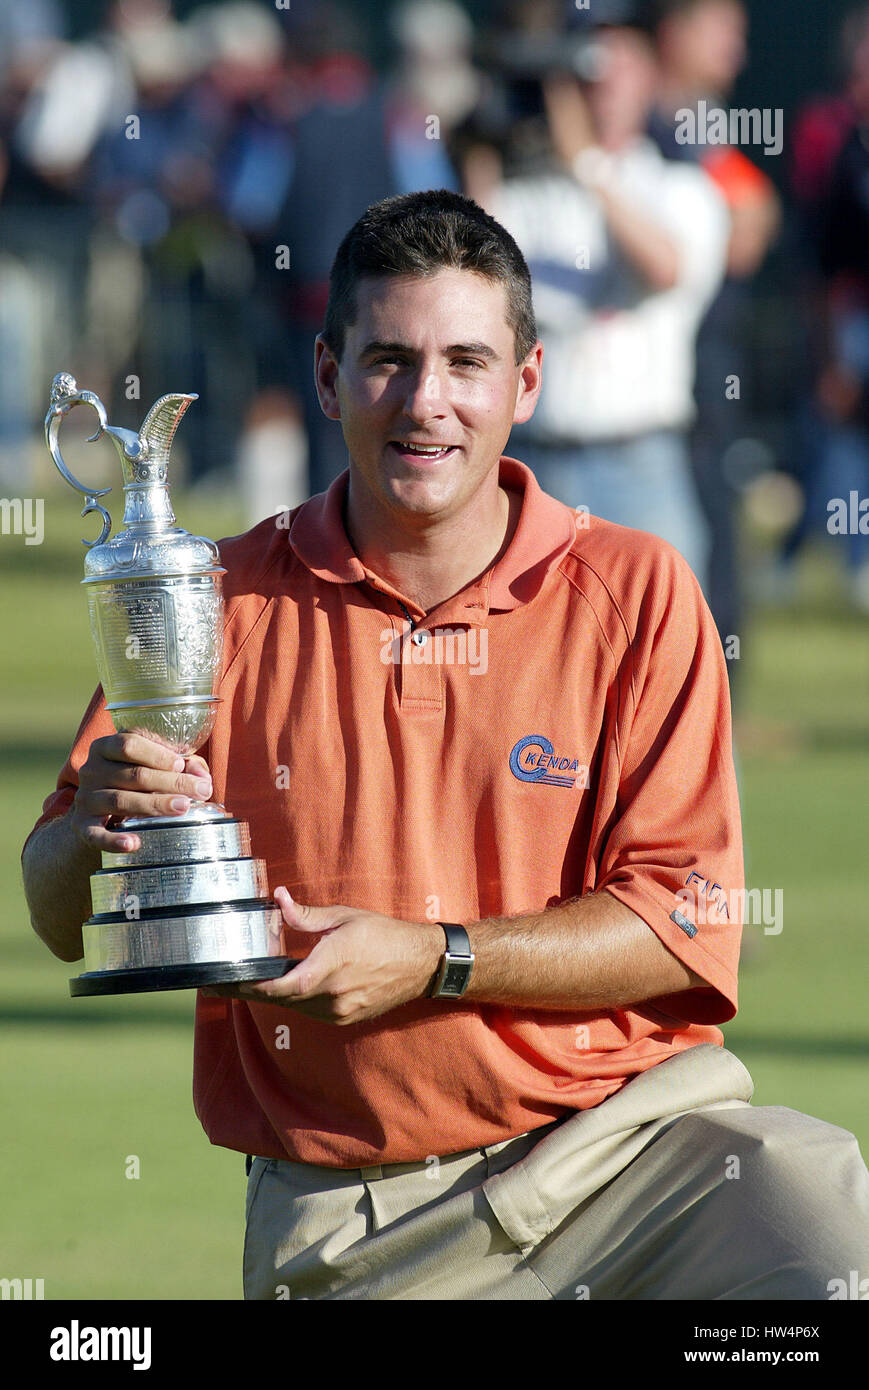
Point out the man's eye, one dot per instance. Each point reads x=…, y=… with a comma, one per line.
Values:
x=401, y=362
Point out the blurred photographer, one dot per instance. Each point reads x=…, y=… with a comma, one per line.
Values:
x=626, y=250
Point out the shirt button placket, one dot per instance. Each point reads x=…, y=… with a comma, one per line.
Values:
x=421, y=676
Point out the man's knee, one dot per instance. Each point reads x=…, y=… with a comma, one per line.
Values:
x=796, y=1182
x=781, y=1149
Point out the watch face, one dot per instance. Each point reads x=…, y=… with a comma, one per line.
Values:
x=456, y=977
x=456, y=965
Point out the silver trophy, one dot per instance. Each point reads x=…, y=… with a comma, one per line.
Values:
x=191, y=907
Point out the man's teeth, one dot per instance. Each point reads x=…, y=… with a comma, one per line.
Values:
x=426, y=448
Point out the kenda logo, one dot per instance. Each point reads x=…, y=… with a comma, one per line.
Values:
x=75, y=1343
x=534, y=759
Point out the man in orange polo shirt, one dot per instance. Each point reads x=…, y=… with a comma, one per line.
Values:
x=449, y=699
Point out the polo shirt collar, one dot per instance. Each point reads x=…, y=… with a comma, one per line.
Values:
x=544, y=533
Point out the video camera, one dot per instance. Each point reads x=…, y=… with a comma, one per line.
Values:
x=575, y=49
x=519, y=61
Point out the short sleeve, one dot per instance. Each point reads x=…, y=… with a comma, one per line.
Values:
x=96, y=723
x=674, y=852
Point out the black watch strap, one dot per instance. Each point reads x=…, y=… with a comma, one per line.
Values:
x=458, y=959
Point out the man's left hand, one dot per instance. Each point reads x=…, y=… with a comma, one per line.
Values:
x=361, y=965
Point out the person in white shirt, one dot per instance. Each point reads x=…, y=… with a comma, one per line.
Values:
x=626, y=250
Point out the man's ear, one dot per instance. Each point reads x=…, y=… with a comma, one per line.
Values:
x=326, y=378
x=530, y=382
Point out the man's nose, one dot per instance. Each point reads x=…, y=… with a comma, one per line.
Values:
x=425, y=398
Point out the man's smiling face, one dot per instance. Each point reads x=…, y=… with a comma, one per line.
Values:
x=427, y=388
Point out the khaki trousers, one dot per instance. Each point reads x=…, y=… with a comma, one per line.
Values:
x=674, y=1188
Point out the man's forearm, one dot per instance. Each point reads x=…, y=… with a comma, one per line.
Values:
x=649, y=248
x=57, y=868
x=588, y=953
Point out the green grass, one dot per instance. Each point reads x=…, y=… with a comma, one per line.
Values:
x=802, y=1028
x=87, y=1084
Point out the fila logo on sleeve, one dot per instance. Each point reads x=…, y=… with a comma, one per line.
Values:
x=534, y=759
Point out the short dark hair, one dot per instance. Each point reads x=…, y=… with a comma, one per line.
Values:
x=419, y=234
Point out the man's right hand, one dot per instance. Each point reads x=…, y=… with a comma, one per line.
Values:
x=131, y=775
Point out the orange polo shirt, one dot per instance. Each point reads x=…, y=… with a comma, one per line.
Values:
x=564, y=729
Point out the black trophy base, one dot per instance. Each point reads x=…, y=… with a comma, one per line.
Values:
x=164, y=977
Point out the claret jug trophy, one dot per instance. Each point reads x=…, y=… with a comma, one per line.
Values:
x=190, y=907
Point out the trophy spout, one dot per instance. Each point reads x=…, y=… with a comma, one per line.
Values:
x=161, y=422
x=145, y=463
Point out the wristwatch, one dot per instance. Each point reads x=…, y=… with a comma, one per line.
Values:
x=458, y=958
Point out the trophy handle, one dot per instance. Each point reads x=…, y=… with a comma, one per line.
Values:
x=64, y=395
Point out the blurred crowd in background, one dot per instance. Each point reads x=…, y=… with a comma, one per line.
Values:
x=173, y=191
